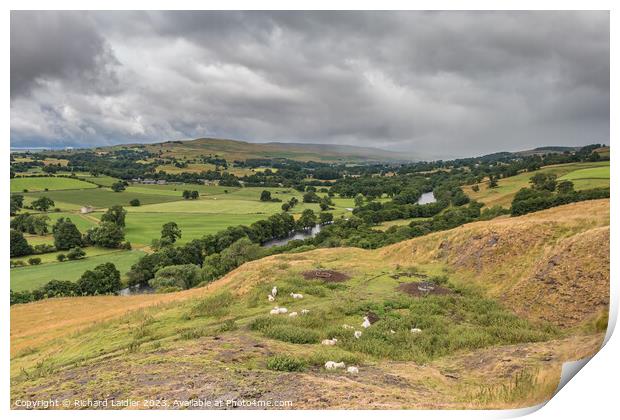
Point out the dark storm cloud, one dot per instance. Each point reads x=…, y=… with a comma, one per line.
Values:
x=429, y=83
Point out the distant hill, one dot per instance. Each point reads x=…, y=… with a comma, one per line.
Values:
x=241, y=150
x=548, y=149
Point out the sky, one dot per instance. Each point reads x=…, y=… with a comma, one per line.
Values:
x=430, y=84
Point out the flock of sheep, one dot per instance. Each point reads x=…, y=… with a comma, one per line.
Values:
x=329, y=365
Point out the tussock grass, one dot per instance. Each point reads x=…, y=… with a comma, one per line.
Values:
x=286, y=363
x=212, y=306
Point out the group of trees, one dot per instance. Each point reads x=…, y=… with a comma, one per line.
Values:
x=102, y=280
x=193, y=195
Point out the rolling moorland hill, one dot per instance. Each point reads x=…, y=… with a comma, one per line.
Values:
x=240, y=150
x=518, y=297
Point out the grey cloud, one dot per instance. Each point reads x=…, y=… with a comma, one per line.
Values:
x=430, y=83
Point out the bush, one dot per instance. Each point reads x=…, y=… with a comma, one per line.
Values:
x=183, y=276
x=134, y=203
x=284, y=363
x=34, y=261
x=292, y=334
x=76, y=253
x=44, y=248
x=61, y=257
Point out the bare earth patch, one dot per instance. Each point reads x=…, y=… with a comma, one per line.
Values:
x=423, y=288
x=329, y=276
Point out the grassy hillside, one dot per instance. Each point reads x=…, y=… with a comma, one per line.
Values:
x=584, y=175
x=240, y=150
x=18, y=185
x=494, y=335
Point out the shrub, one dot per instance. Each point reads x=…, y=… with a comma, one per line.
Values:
x=134, y=203
x=292, y=334
x=61, y=257
x=284, y=363
x=34, y=261
x=76, y=253
x=183, y=276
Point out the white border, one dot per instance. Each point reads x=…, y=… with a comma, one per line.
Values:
x=592, y=395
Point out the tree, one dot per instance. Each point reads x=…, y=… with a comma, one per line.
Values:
x=76, y=253
x=17, y=202
x=307, y=219
x=103, y=279
x=61, y=257
x=475, y=188
x=118, y=186
x=43, y=204
x=194, y=195
x=492, y=181
x=186, y=194
x=170, y=232
x=325, y=218
x=66, y=234
x=286, y=207
x=565, y=187
x=116, y=215
x=19, y=245
x=542, y=181
x=359, y=200
x=107, y=235
x=311, y=197
x=134, y=203
x=265, y=195
x=35, y=224
x=239, y=252
x=183, y=276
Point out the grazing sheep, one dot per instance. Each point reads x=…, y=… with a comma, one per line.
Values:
x=274, y=311
x=416, y=330
x=297, y=296
x=392, y=332
x=366, y=322
x=282, y=310
x=328, y=342
x=353, y=370
x=293, y=314
x=357, y=334
x=330, y=365
x=271, y=298
x=305, y=312
x=274, y=291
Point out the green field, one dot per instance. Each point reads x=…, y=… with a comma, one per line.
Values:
x=32, y=277
x=99, y=198
x=104, y=180
x=589, y=177
x=508, y=187
x=142, y=228
x=51, y=183
x=50, y=257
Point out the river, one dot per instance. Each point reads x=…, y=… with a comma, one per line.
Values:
x=427, y=198
x=297, y=235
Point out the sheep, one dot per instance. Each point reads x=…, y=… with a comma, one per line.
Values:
x=282, y=310
x=357, y=334
x=366, y=322
x=416, y=330
x=271, y=298
x=274, y=311
x=305, y=311
x=274, y=291
x=297, y=296
x=330, y=365
x=293, y=314
x=392, y=332
x=353, y=370
x=328, y=342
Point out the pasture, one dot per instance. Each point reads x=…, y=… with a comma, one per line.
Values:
x=589, y=177
x=99, y=198
x=507, y=187
x=18, y=185
x=32, y=277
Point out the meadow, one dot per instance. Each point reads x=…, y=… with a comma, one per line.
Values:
x=32, y=277
x=18, y=185
x=596, y=175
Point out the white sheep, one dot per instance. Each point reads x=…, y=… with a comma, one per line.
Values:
x=353, y=370
x=416, y=330
x=392, y=332
x=366, y=322
x=274, y=291
x=330, y=365
x=282, y=310
x=305, y=311
x=274, y=311
x=357, y=334
x=293, y=314
x=297, y=296
x=328, y=342
x=271, y=298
